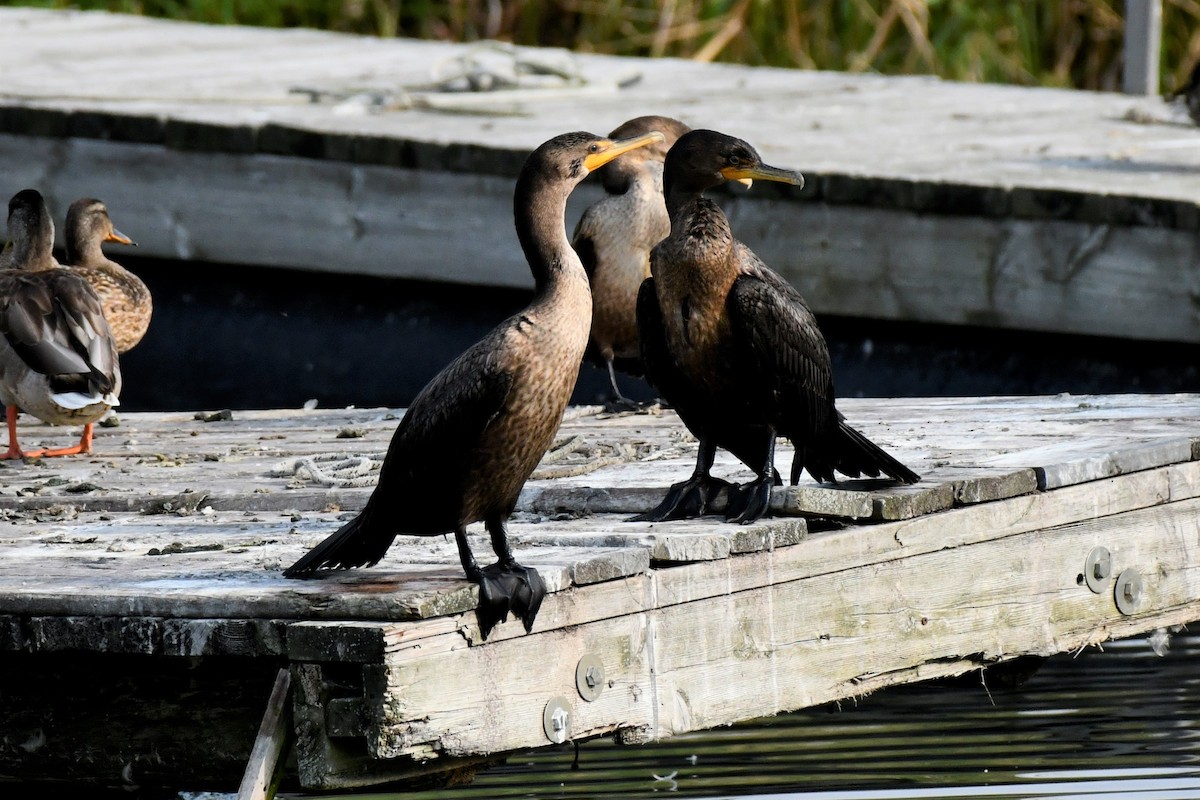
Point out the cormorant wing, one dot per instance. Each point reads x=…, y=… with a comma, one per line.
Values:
x=783, y=356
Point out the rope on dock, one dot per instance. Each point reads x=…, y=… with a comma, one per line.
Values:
x=331, y=470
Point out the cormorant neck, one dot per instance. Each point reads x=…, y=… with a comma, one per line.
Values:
x=539, y=209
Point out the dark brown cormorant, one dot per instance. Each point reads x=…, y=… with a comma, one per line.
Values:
x=58, y=359
x=735, y=348
x=474, y=434
x=613, y=239
x=126, y=300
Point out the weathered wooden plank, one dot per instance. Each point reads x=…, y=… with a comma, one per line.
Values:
x=264, y=769
x=802, y=642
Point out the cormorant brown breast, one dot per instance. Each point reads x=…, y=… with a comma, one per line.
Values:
x=58, y=359
x=474, y=434
x=126, y=300
x=614, y=237
x=735, y=348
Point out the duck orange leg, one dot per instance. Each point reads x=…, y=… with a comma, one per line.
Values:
x=83, y=448
x=14, y=449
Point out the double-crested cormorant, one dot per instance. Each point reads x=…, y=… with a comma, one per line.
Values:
x=58, y=359
x=735, y=348
x=474, y=434
x=613, y=239
x=126, y=300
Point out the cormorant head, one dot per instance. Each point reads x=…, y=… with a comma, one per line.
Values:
x=617, y=175
x=570, y=157
x=703, y=159
x=88, y=221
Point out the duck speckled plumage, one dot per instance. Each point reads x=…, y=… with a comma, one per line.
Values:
x=614, y=238
x=58, y=360
x=126, y=299
x=473, y=435
x=735, y=348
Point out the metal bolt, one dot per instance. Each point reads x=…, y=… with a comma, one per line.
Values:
x=1129, y=591
x=556, y=720
x=589, y=677
x=1097, y=568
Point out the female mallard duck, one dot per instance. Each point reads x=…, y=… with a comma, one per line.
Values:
x=126, y=300
x=473, y=435
x=613, y=239
x=58, y=359
x=735, y=348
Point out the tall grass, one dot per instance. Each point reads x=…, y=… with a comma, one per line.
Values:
x=1047, y=42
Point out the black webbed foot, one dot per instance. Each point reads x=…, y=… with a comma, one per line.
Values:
x=686, y=500
x=621, y=404
x=750, y=501
x=504, y=588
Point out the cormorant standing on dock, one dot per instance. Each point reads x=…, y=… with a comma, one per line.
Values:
x=474, y=434
x=614, y=238
x=734, y=347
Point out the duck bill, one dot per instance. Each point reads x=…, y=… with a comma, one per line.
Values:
x=763, y=172
x=119, y=238
x=611, y=148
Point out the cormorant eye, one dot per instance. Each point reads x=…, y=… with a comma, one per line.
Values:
x=734, y=161
x=593, y=148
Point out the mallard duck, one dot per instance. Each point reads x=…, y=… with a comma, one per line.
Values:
x=614, y=237
x=735, y=348
x=58, y=359
x=126, y=300
x=473, y=435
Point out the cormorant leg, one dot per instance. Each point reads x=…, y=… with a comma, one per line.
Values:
x=691, y=497
x=504, y=586
x=526, y=590
x=14, y=449
x=752, y=500
x=619, y=402
x=83, y=448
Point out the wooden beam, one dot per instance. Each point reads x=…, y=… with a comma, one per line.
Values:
x=265, y=768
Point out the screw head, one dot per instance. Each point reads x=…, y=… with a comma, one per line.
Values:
x=1129, y=591
x=556, y=720
x=589, y=677
x=1097, y=568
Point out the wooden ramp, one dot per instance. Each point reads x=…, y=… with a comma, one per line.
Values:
x=143, y=612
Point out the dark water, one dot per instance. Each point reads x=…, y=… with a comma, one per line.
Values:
x=1122, y=722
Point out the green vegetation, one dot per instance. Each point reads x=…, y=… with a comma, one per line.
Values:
x=1049, y=42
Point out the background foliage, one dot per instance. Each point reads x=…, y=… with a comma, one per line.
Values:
x=1049, y=42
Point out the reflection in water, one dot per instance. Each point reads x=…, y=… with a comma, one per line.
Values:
x=1119, y=722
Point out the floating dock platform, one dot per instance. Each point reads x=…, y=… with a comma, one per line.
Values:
x=144, y=621
x=926, y=201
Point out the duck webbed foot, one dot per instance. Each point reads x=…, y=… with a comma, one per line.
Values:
x=687, y=499
x=505, y=588
x=750, y=501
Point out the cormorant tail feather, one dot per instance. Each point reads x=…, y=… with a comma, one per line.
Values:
x=348, y=547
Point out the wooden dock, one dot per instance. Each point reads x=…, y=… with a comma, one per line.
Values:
x=926, y=200
x=143, y=618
